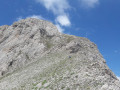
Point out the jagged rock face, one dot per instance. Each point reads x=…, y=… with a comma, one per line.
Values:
x=24, y=41
x=34, y=55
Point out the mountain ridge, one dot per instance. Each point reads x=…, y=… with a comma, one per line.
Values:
x=35, y=55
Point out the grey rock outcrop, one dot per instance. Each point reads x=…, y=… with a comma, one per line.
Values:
x=34, y=55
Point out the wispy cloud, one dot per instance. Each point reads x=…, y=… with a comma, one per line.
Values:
x=56, y=6
x=36, y=16
x=59, y=9
x=63, y=20
x=117, y=51
x=31, y=16
x=60, y=29
x=19, y=18
x=89, y=3
x=118, y=77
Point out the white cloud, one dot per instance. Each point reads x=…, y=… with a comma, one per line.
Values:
x=63, y=20
x=56, y=6
x=59, y=28
x=89, y=3
x=31, y=16
x=118, y=77
x=19, y=18
x=36, y=16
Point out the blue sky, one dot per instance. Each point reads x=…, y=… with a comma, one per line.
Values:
x=98, y=20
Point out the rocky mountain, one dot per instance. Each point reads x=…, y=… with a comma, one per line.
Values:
x=35, y=56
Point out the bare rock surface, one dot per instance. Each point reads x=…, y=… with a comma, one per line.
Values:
x=35, y=56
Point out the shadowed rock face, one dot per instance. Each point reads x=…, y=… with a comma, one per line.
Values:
x=34, y=55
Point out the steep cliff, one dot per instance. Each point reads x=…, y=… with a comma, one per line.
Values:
x=34, y=55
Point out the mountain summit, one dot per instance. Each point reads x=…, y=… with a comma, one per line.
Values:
x=34, y=55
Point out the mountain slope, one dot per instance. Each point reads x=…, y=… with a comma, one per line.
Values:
x=34, y=55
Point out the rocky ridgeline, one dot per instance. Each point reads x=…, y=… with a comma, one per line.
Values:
x=34, y=55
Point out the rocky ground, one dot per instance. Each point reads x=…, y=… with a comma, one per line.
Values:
x=35, y=56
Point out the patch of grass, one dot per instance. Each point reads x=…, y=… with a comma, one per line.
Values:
x=48, y=44
x=87, y=75
x=45, y=81
x=72, y=73
x=69, y=38
x=97, y=84
x=62, y=87
x=68, y=88
x=88, y=88
x=22, y=86
x=47, y=86
x=34, y=84
x=36, y=88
